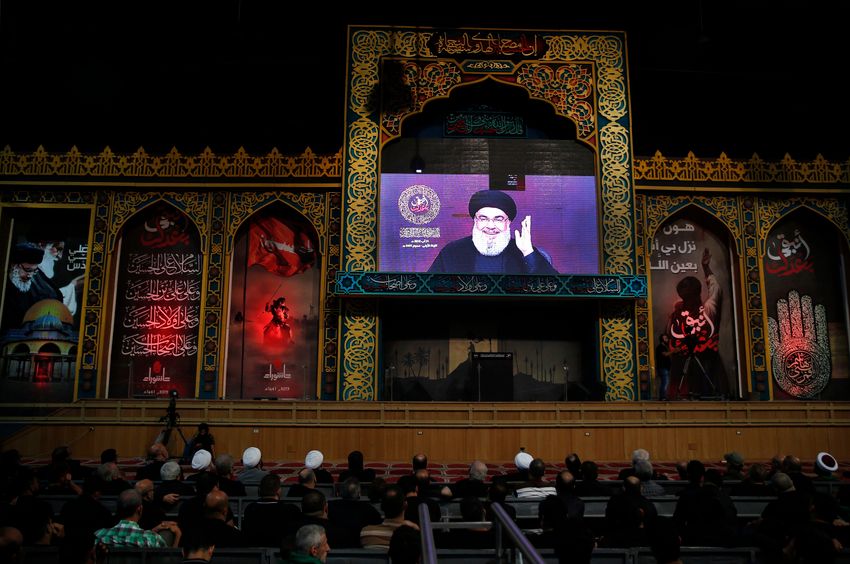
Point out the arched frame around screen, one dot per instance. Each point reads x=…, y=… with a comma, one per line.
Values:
x=441, y=61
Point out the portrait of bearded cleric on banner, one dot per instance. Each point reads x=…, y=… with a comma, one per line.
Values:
x=490, y=249
x=31, y=273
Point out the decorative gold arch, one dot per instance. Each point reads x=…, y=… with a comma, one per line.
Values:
x=583, y=75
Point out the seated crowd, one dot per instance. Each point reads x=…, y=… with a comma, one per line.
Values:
x=162, y=507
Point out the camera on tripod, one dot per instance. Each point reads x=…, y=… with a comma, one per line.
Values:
x=171, y=417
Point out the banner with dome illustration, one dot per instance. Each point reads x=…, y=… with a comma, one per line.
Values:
x=45, y=267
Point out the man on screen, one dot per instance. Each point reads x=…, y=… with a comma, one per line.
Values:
x=489, y=249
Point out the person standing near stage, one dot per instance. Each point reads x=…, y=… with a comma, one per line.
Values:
x=662, y=364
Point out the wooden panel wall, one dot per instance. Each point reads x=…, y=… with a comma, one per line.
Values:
x=596, y=439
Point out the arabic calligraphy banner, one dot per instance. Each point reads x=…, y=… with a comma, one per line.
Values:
x=273, y=336
x=692, y=304
x=42, y=301
x=806, y=312
x=157, y=307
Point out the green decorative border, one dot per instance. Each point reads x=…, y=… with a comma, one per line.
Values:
x=573, y=286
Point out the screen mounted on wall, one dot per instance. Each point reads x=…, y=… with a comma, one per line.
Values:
x=459, y=223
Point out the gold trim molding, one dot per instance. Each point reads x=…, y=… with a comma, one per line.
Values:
x=754, y=170
x=141, y=164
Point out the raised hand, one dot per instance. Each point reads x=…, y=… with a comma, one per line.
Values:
x=523, y=237
x=799, y=346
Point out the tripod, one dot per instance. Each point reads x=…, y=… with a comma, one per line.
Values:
x=686, y=370
x=171, y=420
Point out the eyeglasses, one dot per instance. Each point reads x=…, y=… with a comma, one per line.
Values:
x=32, y=270
x=483, y=219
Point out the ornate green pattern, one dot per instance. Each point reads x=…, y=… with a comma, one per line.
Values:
x=567, y=87
x=140, y=164
x=359, y=343
x=617, y=347
x=421, y=83
x=752, y=171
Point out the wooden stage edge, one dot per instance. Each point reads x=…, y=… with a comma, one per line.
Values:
x=456, y=432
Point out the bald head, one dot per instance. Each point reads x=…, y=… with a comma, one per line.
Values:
x=158, y=452
x=216, y=505
x=11, y=541
x=631, y=485
x=145, y=489
x=420, y=461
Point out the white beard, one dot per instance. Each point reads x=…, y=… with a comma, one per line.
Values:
x=488, y=245
x=48, y=265
x=15, y=278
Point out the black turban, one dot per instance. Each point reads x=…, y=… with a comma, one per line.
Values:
x=492, y=199
x=26, y=253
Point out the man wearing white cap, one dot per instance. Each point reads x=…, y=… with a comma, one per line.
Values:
x=825, y=466
x=313, y=461
x=201, y=462
x=252, y=462
x=522, y=460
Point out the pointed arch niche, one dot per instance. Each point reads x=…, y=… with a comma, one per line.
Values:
x=156, y=321
x=274, y=318
x=560, y=81
x=694, y=279
x=804, y=265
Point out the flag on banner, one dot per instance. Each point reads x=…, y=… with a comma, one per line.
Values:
x=279, y=248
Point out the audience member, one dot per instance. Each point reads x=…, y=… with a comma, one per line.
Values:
x=825, y=467
x=11, y=541
x=268, y=520
x=128, y=533
x=405, y=546
x=313, y=461
x=85, y=514
x=203, y=440
x=755, y=484
x=172, y=488
x=157, y=456
x=573, y=464
x=416, y=488
x=198, y=546
x=202, y=463
x=311, y=546
x=734, y=466
x=393, y=505
x=306, y=484
x=252, y=466
x=565, y=493
x=356, y=470
x=535, y=487
x=219, y=522
x=351, y=514
x=111, y=481
x=314, y=511
x=792, y=466
x=472, y=486
x=152, y=513
x=226, y=483
x=590, y=485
